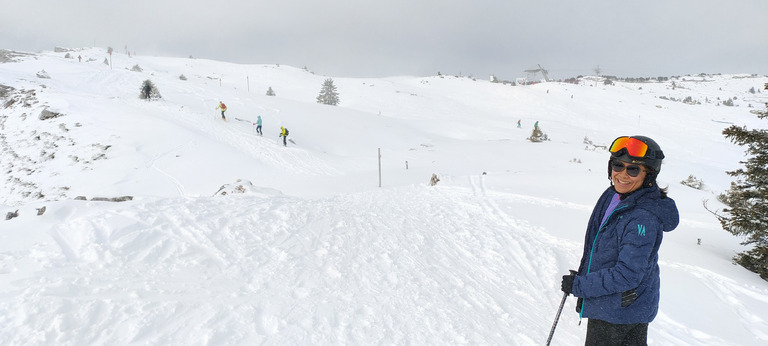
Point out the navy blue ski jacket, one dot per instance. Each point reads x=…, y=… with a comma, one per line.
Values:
x=619, y=265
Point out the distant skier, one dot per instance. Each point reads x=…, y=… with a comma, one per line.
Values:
x=258, y=125
x=284, y=134
x=223, y=108
x=518, y=124
x=147, y=91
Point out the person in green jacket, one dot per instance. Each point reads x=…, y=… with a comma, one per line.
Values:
x=223, y=108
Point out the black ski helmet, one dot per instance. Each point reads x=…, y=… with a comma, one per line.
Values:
x=652, y=158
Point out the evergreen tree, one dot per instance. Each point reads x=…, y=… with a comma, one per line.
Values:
x=328, y=94
x=270, y=92
x=148, y=87
x=747, y=199
x=537, y=135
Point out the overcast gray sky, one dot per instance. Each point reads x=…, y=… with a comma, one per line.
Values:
x=375, y=38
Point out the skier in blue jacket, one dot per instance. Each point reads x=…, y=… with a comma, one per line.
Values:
x=258, y=125
x=618, y=278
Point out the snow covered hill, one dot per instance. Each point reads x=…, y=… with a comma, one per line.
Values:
x=303, y=246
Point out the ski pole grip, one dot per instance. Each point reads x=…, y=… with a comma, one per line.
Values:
x=573, y=272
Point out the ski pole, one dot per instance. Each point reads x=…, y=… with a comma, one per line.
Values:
x=559, y=310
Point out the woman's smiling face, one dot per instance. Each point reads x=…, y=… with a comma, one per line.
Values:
x=623, y=182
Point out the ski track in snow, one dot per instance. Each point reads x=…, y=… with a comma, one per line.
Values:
x=726, y=289
x=174, y=180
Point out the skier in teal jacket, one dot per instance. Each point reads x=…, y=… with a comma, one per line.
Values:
x=618, y=278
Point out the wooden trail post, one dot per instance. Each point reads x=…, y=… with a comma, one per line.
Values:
x=379, y=167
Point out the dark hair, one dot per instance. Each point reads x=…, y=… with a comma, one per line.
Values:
x=650, y=180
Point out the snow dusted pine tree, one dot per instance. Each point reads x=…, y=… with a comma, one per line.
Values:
x=747, y=199
x=149, y=91
x=328, y=94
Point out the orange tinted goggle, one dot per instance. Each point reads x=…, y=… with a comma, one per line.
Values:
x=634, y=146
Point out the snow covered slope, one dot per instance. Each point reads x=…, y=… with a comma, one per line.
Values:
x=303, y=246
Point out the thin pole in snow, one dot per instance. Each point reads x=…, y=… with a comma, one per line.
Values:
x=559, y=310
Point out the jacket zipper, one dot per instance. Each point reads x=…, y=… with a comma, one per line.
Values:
x=591, y=252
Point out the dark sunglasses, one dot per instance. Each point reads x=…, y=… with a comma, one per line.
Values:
x=632, y=170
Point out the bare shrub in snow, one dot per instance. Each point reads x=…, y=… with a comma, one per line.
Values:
x=693, y=182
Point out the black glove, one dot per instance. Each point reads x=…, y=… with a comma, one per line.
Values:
x=628, y=297
x=567, y=284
